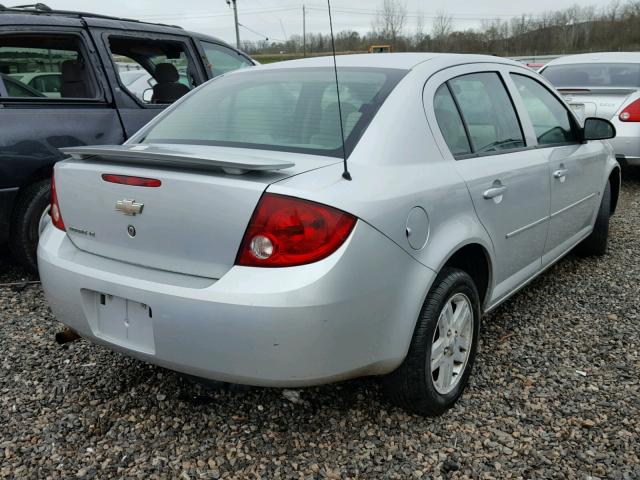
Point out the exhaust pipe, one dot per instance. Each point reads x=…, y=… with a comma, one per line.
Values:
x=66, y=336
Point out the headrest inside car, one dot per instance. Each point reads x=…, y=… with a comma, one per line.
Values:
x=72, y=71
x=166, y=73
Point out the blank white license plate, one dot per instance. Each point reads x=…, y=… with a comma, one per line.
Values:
x=125, y=322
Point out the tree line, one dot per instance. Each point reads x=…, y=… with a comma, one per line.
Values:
x=614, y=27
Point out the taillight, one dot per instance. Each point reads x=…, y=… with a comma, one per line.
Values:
x=631, y=113
x=286, y=231
x=132, y=181
x=54, y=210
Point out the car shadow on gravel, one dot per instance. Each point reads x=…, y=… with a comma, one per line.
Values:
x=184, y=393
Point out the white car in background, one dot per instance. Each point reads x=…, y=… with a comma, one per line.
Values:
x=47, y=83
x=604, y=85
x=137, y=81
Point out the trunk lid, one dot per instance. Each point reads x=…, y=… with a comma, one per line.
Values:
x=597, y=101
x=193, y=223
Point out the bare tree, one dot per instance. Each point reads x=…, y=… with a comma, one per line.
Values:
x=420, y=37
x=572, y=30
x=390, y=20
x=612, y=10
x=442, y=29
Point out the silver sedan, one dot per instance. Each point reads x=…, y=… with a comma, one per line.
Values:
x=604, y=85
x=265, y=230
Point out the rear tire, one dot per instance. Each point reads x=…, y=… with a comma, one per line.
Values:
x=31, y=204
x=419, y=385
x=596, y=243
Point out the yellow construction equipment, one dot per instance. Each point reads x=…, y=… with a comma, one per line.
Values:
x=380, y=49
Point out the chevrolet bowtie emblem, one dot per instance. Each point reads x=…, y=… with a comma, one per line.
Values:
x=129, y=207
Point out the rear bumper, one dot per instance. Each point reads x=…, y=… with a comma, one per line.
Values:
x=627, y=142
x=349, y=315
x=627, y=161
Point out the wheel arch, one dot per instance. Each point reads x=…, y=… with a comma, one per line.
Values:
x=615, y=182
x=474, y=259
x=38, y=175
x=42, y=173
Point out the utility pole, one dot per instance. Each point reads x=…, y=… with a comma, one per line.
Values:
x=235, y=17
x=304, y=31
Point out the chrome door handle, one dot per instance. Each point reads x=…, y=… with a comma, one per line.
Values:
x=494, y=192
x=560, y=173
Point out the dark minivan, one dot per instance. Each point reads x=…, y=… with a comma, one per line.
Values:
x=71, y=79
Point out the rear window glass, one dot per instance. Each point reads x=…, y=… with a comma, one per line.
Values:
x=594, y=75
x=283, y=109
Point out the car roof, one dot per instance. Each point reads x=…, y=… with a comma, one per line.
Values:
x=28, y=17
x=599, y=57
x=403, y=61
x=42, y=16
x=55, y=17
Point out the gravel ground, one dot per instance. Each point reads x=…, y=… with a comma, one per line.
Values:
x=555, y=394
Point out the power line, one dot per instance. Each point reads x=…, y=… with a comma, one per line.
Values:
x=345, y=10
x=261, y=34
x=179, y=16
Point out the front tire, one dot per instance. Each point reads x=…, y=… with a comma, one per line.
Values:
x=596, y=243
x=443, y=348
x=31, y=205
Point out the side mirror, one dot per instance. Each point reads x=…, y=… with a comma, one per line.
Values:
x=598, y=129
x=147, y=95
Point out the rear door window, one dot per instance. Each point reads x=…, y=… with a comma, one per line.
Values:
x=487, y=110
x=222, y=59
x=153, y=71
x=450, y=122
x=45, y=67
x=552, y=122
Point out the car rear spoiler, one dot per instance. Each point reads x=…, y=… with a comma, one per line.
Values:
x=598, y=90
x=175, y=155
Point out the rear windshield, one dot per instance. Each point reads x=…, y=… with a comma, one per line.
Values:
x=293, y=110
x=594, y=75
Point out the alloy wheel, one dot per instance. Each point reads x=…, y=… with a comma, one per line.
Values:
x=451, y=344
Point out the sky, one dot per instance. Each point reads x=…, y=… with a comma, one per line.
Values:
x=279, y=19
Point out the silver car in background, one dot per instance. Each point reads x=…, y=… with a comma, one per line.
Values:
x=604, y=85
x=225, y=240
